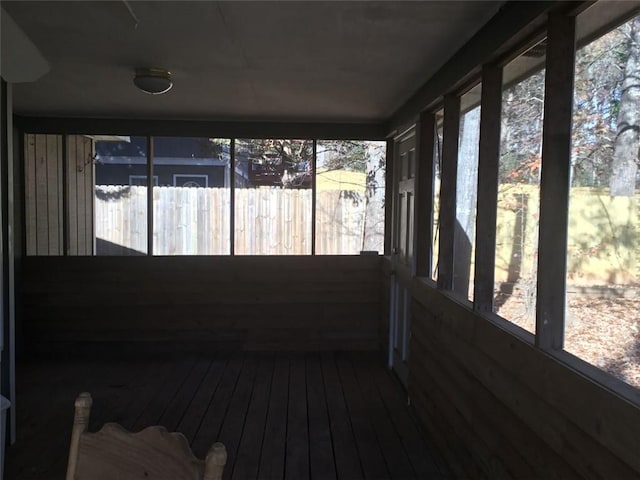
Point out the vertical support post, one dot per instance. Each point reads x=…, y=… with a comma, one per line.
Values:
x=488, y=163
x=14, y=248
x=388, y=199
x=423, y=214
x=451, y=127
x=93, y=199
x=150, y=195
x=232, y=197
x=554, y=182
x=313, y=197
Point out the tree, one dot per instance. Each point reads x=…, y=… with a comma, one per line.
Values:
x=466, y=199
x=624, y=167
x=369, y=159
x=521, y=131
x=599, y=75
x=373, y=230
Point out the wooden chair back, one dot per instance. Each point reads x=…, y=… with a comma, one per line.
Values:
x=152, y=454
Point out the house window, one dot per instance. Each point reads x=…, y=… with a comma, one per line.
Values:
x=188, y=220
x=466, y=193
x=350, y=183
x=603, y=264
x=192, y=181
x=516, y=254
x=273, y=197
x=141, y=180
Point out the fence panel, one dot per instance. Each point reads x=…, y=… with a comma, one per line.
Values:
x=195, y=221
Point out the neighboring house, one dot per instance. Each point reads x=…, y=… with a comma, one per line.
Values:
x=177, y=162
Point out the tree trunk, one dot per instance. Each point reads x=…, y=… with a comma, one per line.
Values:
x=624, y=167
x=466, y=198
x=373, y=229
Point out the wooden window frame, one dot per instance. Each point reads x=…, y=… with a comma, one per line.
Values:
x=554, y=182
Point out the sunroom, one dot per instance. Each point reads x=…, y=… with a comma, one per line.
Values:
x=346, y=239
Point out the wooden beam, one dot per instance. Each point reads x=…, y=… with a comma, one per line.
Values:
x=448, y=190
x=488, y=162
x=149, y=195
x=313, y=198
x=194, y=128
x=30, y=195
x=65, y=198
x=554, y=182
x=232, y=197
x=423, y=214
x=70, y=175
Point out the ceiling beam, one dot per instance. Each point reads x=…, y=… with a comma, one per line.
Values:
x=197, y=128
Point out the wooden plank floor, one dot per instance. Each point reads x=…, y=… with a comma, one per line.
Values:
x=281, y=416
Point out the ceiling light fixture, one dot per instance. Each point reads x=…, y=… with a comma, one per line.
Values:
x=153, y=81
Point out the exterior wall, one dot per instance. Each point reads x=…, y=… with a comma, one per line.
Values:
x=498, y=407
x=74, y=304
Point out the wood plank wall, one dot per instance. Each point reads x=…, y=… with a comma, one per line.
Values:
x=385, y=303
x=46, y=161
x=500, y=408
x=80, y=197
x=173, y=303
x=43, y=194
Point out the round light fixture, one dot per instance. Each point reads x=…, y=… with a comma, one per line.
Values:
x=153, y=81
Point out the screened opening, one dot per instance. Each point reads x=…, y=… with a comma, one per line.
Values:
x=273, y=196
x=121, y=190
x=467, y=193
x=437, y=169
x=517, y=221
x=191, y=199
x=350, y=185
x=602, y=323
x=89, y=195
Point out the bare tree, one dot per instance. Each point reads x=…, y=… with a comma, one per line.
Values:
x=466, y=198
x=624, y=166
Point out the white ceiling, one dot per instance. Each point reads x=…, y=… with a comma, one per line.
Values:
x=333, y=61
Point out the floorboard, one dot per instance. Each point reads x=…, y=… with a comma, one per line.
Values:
x=235, y=418
x=248, y=456
x=371, y=457
x=346, y=458
x=209, y=429
x=321, y=461
x=297, y=456
x=177, y=407
x=275, y=433
x=397, y=461
x=192, y=418
x=317, y=416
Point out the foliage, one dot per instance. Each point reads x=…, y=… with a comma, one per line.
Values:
x=600, y=67
x=599, y=75
x=289, y=151
x=521, y=132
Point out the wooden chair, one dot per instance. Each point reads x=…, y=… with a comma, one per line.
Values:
x=113, y=453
